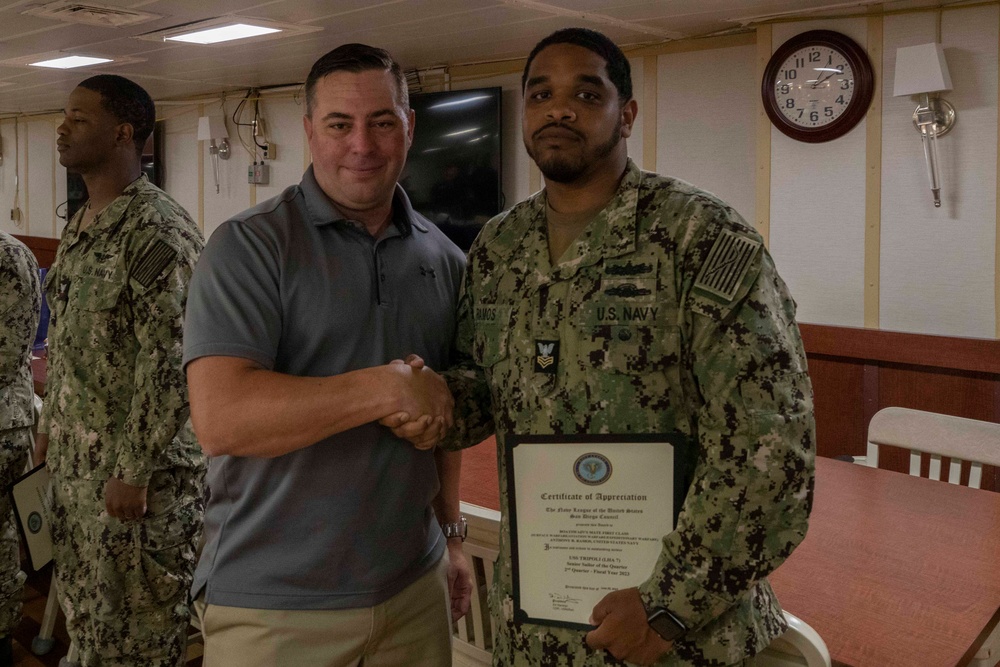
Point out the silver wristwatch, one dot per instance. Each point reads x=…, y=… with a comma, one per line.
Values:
x=459, y=528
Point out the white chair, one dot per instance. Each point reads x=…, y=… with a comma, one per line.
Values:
x=799, y=646
x=472, y=644
x=938, y=436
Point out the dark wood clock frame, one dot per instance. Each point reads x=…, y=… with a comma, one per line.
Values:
x=864, y=85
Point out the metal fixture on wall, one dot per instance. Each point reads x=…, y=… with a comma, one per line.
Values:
x=211, y=128
x=922, y=70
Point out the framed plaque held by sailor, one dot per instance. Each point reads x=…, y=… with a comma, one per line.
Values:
x=588, y=514
x=31, y=498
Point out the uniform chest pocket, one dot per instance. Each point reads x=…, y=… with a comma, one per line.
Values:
x=628, y=336
x=632, y=348
x=490, y=344
x=492, y=333
x=95, y=295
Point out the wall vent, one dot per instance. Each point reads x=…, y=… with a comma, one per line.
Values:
x=99, y=15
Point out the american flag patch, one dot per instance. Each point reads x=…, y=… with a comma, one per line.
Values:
x=159, y=255
x=727, y=264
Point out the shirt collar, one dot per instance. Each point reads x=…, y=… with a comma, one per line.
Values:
x=113, y=213
x=611, y=233
x=323, y=211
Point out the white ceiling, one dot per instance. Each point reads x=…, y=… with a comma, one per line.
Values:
x=420, y=33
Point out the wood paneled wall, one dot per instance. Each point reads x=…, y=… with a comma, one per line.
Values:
x=857, y=372
x=44, y=248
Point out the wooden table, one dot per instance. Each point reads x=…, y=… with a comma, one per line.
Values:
x=896, y=570
x=39, y=359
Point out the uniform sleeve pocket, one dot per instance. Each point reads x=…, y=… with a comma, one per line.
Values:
x=785, y=395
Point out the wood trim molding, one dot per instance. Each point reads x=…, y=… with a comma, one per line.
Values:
x=873, y=181
x=762, y=217
x=977, y=355
x=695, y=44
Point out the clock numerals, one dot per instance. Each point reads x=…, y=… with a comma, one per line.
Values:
x=817, y=86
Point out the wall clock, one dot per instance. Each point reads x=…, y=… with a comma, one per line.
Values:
x=817, y=86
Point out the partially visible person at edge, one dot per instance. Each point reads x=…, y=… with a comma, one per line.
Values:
x=20, y=302
x=323, y=537
x=115, y=432
x=717, y=358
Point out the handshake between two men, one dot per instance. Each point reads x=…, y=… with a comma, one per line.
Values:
x=428, y=406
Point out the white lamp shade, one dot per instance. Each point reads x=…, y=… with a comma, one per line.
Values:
x=921, y=69
x=212, y=127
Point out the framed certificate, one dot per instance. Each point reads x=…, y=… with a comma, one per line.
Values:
x=32, y=502
x=587, y=516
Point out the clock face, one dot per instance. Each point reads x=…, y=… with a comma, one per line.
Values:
x=815, y=86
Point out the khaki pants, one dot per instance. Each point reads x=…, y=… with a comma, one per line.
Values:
x=411, y=629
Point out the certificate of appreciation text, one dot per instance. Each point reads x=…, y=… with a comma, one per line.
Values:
x=588, y=515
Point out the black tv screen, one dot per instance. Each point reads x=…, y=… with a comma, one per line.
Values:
x=452, y=173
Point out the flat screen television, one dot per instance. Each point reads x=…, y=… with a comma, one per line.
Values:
x=453, y=170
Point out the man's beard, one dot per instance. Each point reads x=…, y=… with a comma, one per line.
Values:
x=565, y=169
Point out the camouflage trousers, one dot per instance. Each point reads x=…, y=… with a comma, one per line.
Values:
x=14, y=446
x=124, y=585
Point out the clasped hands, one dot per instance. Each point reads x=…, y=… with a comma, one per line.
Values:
x=427, y=407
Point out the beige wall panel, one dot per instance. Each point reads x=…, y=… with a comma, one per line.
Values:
x=818, y=209
x=234, y=191
x=7, y=174
x=938, y=264
x=180, y=159
x=41, y=208
x=707, y=112
x=635, y=142
x=283, y=120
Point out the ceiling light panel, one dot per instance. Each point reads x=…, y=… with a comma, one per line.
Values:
x=70, y=62
x=227, y=29
x=226, y=33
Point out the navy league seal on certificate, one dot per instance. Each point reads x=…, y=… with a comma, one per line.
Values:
x=588, y=516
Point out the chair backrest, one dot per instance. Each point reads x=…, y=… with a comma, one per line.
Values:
x=959, y=439
x=799, y=646
x=473, y=639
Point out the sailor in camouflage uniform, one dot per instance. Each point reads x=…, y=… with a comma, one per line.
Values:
x=618, y=301
x=127, y=470
x=20, y=302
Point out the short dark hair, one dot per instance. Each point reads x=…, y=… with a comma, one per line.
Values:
x=127, y=101
x=356, y=58
x=619, y=71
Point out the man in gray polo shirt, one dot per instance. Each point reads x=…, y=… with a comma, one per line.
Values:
x=322, y=538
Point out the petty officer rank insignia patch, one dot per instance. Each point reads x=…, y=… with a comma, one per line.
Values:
x=546, y=356
x=727, y=264
x=149, y=267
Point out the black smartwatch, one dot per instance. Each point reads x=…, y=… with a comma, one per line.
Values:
x=665, y=624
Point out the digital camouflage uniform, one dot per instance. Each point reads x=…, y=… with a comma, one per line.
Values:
x=670, y=318
x=117, y=405
x=20, y=302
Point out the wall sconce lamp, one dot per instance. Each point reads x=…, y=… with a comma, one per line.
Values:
x=211, y=128
x=922, y=70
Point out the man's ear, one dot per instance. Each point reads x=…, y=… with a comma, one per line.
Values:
x=629, y=111
x=124, y=134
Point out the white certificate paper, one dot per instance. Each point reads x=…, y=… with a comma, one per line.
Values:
x=588, y=515
x=32, y=501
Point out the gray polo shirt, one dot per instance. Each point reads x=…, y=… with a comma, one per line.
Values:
x=292, y=285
